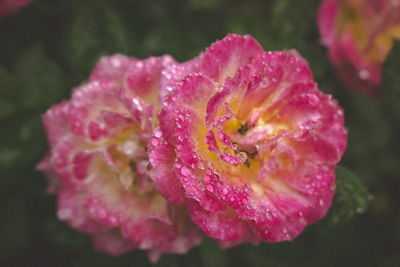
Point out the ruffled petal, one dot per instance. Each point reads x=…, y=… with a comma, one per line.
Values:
x=222, y=59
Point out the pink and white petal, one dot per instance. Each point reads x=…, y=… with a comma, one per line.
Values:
x=151, y=206
x=173, y=73
x=287, y=66
x=53, y=182
x=162, y=157
x=111, y=68
x=261, y=212
x=321, y=203
x=293, y=205
x=316, y=180
x=231, y=191
x=192, y=92
x=71, y=210
x=88, y=102
x=232, y=92
x=248, y=238
x=167, y=120
x=188, y=124
x=112, y=242
x=188, y=235
x=71, y=164
x=142, y=78
x=327, y=14
x=223, y=225
x=190, y=180
x=56, y=123
x=223, y=58
x=107, y=201
x=289, y=229
x=149, y=233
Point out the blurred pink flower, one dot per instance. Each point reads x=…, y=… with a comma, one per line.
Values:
x=8, y=7
x=359, y=35
x=98, y=164
x=247, y=142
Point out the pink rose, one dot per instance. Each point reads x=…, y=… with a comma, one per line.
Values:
x=246, y=142
x=8, y=7
x=98, y=164
x=359, y=35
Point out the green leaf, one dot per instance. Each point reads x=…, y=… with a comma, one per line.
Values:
x=96, y=30
x=351, y=197
x=42, y=80
x=391, y=79
x=212, y=254
x=15, y=229
x=21, y=141
x=9, y=94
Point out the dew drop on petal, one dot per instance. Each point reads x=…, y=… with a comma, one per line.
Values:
x=158, y=133
x=210, y=188
x=154, y=142
x=185, y=171
x=225, y=191
x=364, y=74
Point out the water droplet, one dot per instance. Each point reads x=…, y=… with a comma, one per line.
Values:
x=158, y=133
x=225, y=191
x=364, y=74
x=112, y=220
x=264, y=83
x=185, y=171
x=101, y=213
x=116, y=62
x=154, y=142
x=210, y=188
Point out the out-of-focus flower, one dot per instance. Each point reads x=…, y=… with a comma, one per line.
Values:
x=359, y=35
x=98, y=164
x=247, y=142
x=8, y=7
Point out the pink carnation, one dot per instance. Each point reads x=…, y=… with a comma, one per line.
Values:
x=247, y=142
x=8, y=7
x=359, y=35
x=98, y=164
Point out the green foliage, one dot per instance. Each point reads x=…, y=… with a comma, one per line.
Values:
x=351, y=197
x=391, y=79
x=42, y=81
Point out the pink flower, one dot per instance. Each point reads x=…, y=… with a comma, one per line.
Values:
x=359, y=35
x=8, y=7
x=98, y=164
x=247, y=142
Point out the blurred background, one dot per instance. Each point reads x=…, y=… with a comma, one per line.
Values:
x=50, y=46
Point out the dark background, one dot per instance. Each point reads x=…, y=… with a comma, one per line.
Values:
x=51, y=46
